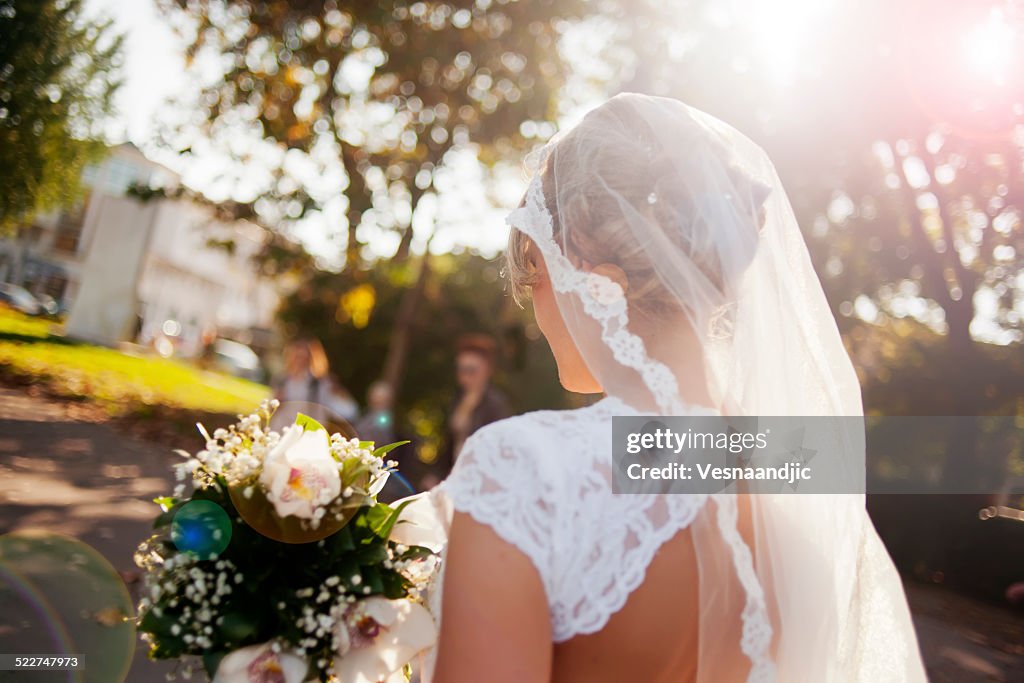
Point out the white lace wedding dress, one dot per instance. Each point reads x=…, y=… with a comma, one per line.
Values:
x=542, y=482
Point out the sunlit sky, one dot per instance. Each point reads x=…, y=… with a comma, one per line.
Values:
x=154, y=67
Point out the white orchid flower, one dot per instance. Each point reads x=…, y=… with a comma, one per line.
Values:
x=260, y=664
x=299, y=474
x=420, y=522
x=378, y=637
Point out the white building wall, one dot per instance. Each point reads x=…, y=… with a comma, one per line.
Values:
x=203, y=289
x=106, y=306
x=148, y=262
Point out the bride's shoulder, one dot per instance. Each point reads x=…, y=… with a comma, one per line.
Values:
x=508, y=476
x=548, y=422
x=536, y=435
x=515, y=473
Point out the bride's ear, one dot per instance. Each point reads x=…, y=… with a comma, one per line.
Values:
x=613, y=273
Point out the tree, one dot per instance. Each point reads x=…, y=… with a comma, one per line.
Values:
x=385, y=92
x=58, y=76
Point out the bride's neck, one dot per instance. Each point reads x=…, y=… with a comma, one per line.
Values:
x=673, y=342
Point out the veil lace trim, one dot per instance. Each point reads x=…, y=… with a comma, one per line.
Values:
x=757, y=629
x=604, y=301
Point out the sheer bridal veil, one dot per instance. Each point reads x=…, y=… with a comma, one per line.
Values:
x=708, y=298
x=717, y=304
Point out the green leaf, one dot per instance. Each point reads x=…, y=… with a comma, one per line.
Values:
x=150, y=623
x=165, y=645
x=211, y=660
x=237, y=627
x=416, y=552
x=383, y=527
x=351, y=469
x=395, y=585
x=370, y=519
x=366, y=444
x=166, y=502
x=165, y=517
x=371, y=555
x=210, y=493
x=347, y=568
x=308, y=423
x=384, y=450
x=342, y=540
x=372, y=579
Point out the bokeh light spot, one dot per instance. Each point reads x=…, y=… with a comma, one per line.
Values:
x=201, y=527
x=61, y=597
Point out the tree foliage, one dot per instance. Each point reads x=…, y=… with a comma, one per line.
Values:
x=58, y=75
x=377, y=95
x=903, y=167
x=386, y=89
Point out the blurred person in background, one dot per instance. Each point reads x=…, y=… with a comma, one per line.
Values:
x=477, y=402
x=207, y=356
x=307, y=386
x=378, y=425
x=378, y=422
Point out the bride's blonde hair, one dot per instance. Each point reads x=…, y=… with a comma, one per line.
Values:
x=613, y=162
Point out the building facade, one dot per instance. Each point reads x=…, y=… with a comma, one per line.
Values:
x=144, y=270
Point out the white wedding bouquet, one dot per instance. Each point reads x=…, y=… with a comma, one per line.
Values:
x=281, y=566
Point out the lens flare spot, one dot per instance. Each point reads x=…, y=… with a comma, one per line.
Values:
x=201, y=527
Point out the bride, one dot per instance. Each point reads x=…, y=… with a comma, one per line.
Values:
x=667, y=272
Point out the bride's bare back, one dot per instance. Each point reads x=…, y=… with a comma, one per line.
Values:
x=495, y=628
x=495, y=624
x=653, y=638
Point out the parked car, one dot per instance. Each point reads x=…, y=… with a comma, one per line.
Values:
x=237, y=359
x=20, y=299
x=50, y=305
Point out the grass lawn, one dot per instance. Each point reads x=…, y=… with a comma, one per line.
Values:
x=32, y=351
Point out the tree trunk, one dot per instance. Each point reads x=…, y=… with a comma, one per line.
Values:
x=405, y=245
x=401, y=334
x=353, y=246
x=951, y=514
x=358, y=201
x=405, y=320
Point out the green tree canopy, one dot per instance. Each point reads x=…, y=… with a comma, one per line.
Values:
x=384, y=90
x=58, y=75
x=376, y=96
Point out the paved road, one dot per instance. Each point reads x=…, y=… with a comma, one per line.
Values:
x=83, y=480
x=88, y=481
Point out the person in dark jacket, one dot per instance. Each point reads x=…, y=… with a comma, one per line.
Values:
x=478, y=402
